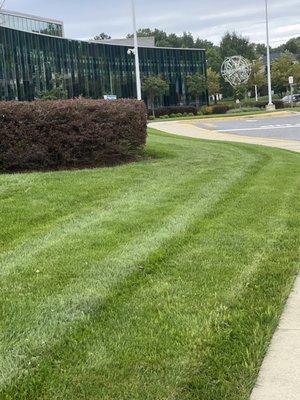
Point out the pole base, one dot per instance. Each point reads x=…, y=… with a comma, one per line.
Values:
x=270, y=107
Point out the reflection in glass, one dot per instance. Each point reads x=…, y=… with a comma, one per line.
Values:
x=28, y=63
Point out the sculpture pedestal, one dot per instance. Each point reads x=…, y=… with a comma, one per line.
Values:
x=270, y=107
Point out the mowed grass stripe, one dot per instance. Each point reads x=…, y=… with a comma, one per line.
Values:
x=144, y=338
x=94, y=281
x=99, y=351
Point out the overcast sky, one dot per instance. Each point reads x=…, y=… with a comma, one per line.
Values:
x=206, y=19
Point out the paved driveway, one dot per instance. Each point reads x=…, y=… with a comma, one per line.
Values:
x=281, y=130
x=284, y=127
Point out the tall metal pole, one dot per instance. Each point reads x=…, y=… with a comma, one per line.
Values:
x=270, y=105
x=136, y=55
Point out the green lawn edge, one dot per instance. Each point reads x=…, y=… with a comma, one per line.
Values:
x=205, y=239
x=242, y=114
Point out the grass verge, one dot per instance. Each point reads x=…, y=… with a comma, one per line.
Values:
x=241, y=114
x=162, y=279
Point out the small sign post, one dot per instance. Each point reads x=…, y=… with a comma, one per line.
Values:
x=256, y=93
x=110, y=97
x=291, y=82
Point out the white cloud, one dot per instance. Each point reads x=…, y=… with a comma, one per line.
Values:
x=209, y=19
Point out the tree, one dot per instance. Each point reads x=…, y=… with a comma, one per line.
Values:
x=154, y=86
x=161, y=38
x=293, y=46
x=240, y=92
x=282, y=68
x=187, y=40
x=214, y=59
x=233, y=44
x=102, y=36
x=58, y=91
x=260, y=50
x=258, y=76
x=213, y=83
x=196, y=86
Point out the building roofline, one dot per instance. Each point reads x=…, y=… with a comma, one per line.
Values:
x=175, y=48
x=35, y=17
x=103, y=44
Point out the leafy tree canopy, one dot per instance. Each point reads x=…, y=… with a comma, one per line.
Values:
x=102, y=36
x=213, y=82
x=233, y=44
x=292, y=46
x=282, y=68
x=258, y=75
x=153, y=87
x=196, y=86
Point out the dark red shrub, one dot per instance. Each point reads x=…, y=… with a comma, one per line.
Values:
x=161, y=111
x=279, y=104
x=70, y=133
x=220, y=109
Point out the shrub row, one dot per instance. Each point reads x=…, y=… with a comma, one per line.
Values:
x=159, y=112
x=216, y=109
x=242, y=110
x=262, y=104
x=70, y=133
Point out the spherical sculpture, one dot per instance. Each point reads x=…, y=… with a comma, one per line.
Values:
x=236, y=70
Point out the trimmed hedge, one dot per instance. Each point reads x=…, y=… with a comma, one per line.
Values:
x=262, y=104
x=45, y=135
x=220, y=109
x=161, y=111
x=215, y=109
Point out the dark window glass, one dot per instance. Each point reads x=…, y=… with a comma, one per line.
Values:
x=29, y=62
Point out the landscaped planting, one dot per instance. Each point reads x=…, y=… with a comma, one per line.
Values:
x=70, y=133
x=162, y=279
x=163, y=111
x=262, y=104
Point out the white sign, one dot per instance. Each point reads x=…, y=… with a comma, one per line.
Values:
x=291, y=80
x=110, y=97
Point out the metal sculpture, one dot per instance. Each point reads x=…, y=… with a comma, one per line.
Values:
x=236, y=70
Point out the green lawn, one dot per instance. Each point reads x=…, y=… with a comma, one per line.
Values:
x=162, y=279
x=241, y=114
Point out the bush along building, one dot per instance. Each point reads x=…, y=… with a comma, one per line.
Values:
x=33, y=58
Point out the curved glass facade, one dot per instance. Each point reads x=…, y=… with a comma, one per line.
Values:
x=29, y=62
x=30, y=24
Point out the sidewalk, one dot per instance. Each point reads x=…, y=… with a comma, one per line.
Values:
x=188, y=128
x=279, y=377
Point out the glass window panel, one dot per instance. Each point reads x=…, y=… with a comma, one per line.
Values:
x=30, y=61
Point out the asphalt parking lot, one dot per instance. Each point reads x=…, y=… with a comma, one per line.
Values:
x=286, y=127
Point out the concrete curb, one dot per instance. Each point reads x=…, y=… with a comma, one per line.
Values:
x=279, y=377
x=189, y=129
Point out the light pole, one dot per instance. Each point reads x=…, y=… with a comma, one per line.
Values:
x=136, y=55
x=270, y=106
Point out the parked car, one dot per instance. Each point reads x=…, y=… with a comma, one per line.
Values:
x=287, y=99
